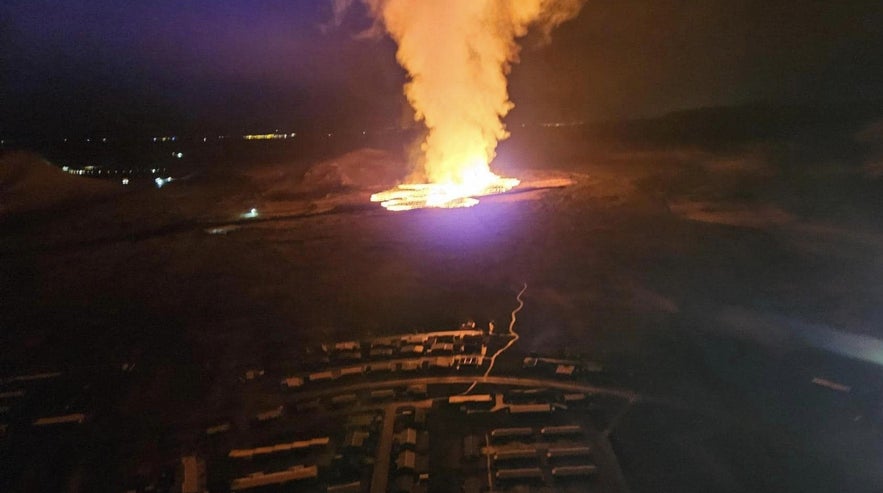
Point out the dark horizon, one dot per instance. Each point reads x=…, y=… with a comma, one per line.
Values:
x=84, y=68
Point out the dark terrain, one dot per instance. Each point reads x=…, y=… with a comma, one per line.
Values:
x=700, y=258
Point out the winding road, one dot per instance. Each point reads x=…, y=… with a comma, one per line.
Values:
x=507, y=346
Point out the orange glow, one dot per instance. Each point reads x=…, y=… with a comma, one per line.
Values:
x=419, y=195
x=458, y=54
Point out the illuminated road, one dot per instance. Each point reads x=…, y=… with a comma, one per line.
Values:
x=384, y=448
x=511, y=342
x=449, y=380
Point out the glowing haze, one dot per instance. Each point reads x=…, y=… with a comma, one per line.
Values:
x=458, y=54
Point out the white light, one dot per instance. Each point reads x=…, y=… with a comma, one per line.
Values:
x=251, y=213
x=159, y=182
x=125, y=181
x=64, y=168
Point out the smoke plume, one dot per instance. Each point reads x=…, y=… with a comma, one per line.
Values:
x=458, y=54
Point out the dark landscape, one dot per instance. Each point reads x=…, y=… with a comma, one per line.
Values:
x=441, y=246
x=689, y=260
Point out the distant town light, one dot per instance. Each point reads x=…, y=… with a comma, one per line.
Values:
x=178, y=155
x=159, y=182
x=125, y=181
x=251, y=213
x=65, y=168
x=265, y=136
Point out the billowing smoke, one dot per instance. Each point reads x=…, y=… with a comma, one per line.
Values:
x=458, y=54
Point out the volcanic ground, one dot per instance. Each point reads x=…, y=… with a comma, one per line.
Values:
x=688, y=259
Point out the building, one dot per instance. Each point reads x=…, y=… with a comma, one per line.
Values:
x=571, y=471
x=406, y=461
x=61, y=420
x=348, y=346
x=279, y=447
x=471, y=399
x=407, y=438
x=355, y=439
x=561, y=431
x=515, y=454
x=381, y=352
x=193, y=475
x=293, y=382
x=511, y=433
x=261, y=479
x=521, y=473
x=378, y=395
x=354, y=487
x=544, y=408
x=553, y=453
x=221, y=428
x=275, y=413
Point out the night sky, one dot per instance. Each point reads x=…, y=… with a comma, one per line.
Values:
x=84, y=66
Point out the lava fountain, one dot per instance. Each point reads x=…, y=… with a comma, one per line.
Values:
x=458, y=54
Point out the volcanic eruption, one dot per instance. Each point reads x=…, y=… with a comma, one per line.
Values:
x=458, y=54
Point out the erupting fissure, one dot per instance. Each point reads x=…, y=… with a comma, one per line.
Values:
x=458, y=54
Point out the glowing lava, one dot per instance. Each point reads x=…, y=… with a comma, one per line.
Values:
x=458, y=54
x=446, y=195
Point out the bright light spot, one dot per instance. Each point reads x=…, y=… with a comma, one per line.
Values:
x=178, y=155
x=477, y=182
x=265, y=136
x=159, y=182
x=250, y=214
x=125, y=181
x=64, y=168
